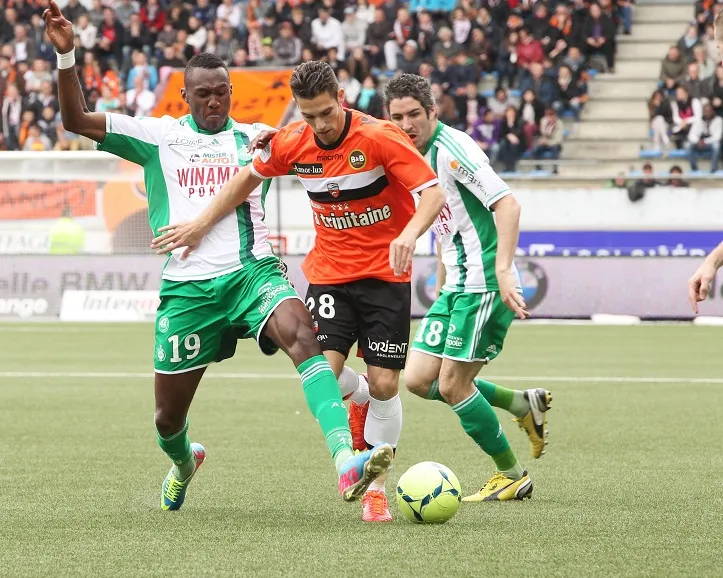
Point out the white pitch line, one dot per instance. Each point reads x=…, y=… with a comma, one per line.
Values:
x=293, y=376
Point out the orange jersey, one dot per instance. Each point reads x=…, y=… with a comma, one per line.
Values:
x=360, y=190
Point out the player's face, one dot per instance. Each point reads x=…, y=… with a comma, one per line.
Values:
x=208, y=94
x=409, y=115
x=324, y=114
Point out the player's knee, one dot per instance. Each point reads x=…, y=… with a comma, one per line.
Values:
x=451, y=383
x=416, y=382
x=384, y=384
x=168, y=422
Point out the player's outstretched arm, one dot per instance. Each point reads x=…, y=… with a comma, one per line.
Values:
x=699, y=283
x=189, y=234
x=73, y=109
x=507, y=216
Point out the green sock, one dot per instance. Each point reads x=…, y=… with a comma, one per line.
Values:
x=512, y=400
x=178, y=448
x=323, y=397
x=480, y=423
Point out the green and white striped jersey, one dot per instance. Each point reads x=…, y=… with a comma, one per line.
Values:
x=466, y=227
x=184, y=168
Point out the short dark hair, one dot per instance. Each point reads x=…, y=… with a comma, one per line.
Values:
x=409, y=85
x=313, y=78
x=206, y=60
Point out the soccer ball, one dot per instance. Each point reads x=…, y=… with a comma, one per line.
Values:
x=428, y=493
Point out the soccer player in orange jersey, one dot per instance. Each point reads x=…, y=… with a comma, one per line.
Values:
x=361, y=175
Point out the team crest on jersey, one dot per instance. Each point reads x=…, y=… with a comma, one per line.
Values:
x=357, y=159
x=333, y=189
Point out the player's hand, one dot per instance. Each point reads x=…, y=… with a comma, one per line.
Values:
x=172, y=237
x=509, y=295
x=262, y=139
x=401, y=251
x=59, y=29
x=699, y=284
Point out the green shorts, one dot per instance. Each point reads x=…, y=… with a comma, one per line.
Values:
x=199, y=322
x=464, y=327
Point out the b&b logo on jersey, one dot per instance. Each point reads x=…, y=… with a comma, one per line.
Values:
x=333, y=189
x=357, y=159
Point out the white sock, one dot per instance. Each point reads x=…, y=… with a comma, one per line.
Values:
x=384, y=421
x=348, y=381
x=361, y=394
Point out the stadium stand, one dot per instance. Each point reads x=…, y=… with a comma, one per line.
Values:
x=577, y=75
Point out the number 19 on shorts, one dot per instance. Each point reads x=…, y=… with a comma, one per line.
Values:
x=191, y=345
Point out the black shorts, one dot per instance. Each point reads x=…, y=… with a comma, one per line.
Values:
x=374, y=313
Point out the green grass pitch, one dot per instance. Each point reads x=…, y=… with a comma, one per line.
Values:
x=630, y=486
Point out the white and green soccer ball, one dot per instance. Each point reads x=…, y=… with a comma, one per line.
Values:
x=428, y=493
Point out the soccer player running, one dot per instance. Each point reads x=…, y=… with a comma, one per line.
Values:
x=466, y=326
x=360, y=174
x=232, y=286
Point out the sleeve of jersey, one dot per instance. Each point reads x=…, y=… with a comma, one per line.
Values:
x=402, y=160
x=135, y=139
x=470, y=167
x=271, y=161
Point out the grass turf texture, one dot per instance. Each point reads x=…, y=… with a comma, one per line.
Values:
x=630, y=485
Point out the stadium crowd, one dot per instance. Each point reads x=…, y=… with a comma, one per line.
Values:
x=540, y=55
x=686, y=111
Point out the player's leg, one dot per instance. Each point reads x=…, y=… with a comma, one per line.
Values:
x=263, y=304
x=480, y=422
x=435, y=333
x=384, y=311
x=189, y=330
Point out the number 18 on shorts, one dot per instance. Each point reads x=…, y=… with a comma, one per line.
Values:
x=464, y=326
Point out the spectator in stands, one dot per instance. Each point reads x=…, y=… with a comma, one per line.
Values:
x=530, y=113
x=369, y=101
x=470, y=106
x=65, y=140
x=529, y=51
x=86, y=32
x=107, y=102
x=486, y=133
x=511, y=140
x=446, y=107
x=576, y=62
x=549, y=142
x=704, y=138
x=426, y=34
x=326, y=32
x=661, y=119
x=142, y=68
x=688, y=42
x=352, y=87
x=706, y=65
x=12, y=109
x=648, y=179
x=287, y=47
x=712, y=90
x=710, y=43
x=36, y=140
x=542, y=85
x=599, y=34
x=410, y=61
x=23, y=46
x=571, y=95
x=110, y=43
x=692, y=82
x=48, y=124
x=501, y=101
x=380, y=46
x=480, y=51
x=686, y=111
x=354, y=29
x=140, y=101
x=619, y=182
x=672, y=69
x=675, y=179
x=507, y=60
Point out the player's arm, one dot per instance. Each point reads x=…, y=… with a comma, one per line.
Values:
x=699, y=284
x=73, y=109
x=232, y=194
x=404, y=163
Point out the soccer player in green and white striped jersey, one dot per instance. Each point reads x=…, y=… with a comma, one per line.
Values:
x=229, y=285
x=465, y=328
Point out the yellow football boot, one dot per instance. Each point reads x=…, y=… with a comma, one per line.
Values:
x=500, y=488
x=534, y=422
